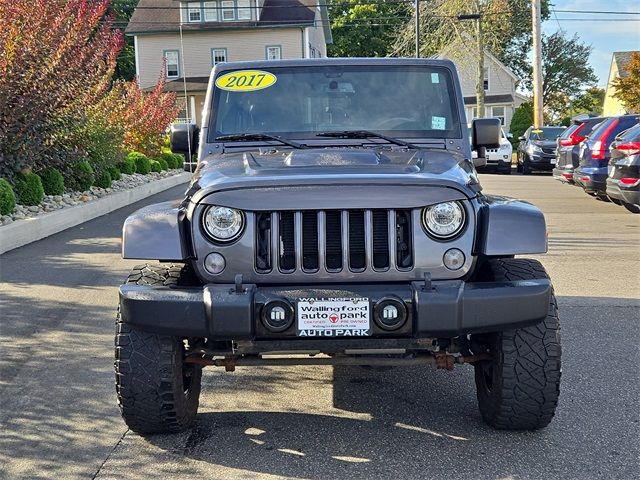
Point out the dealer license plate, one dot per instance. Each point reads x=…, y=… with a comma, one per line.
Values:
x=553, y=161
x=333, y=317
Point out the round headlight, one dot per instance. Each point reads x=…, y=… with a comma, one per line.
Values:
x=223, y=224
x=444, y=220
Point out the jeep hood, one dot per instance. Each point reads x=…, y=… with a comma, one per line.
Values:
x=269, y=168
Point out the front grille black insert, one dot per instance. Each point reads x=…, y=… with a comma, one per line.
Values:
x=333, y=241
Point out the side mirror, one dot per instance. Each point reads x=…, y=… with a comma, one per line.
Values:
x=479, y=158
x=509, y=135
x=184, y=140
x=485, y=133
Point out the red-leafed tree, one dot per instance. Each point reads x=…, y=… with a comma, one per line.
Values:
x=57, y=58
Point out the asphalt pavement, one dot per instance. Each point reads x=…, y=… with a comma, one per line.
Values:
x=59, y=419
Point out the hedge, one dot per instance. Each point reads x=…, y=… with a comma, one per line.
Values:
x=127, y=166
x=155, y=166
x=103, y=180
x=81, y=176
x=29, y=189
x=52, y=181
x=143, y=165
x=115, y=173
x=7, y=198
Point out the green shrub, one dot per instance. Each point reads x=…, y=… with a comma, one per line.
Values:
x=7, y=198
x=29, y=189
x=163, y=163
x=52, y=181
x=173, y=160
x=115, y=173
x=103, y=180
x=155, y=166
x=521, y=120
x=143, y=165
x=81, y=176
x=127, y=166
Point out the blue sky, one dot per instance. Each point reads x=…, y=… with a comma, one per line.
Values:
x=605, y=37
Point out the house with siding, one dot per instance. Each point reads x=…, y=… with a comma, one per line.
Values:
x=500, y=83
x=613, y=106
x=184, y=40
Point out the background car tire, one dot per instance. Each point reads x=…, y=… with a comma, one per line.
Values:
x=526, y=167
x=631, y=207
x=519, y=388
x=157, y=392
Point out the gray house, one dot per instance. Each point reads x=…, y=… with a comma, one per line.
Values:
x=186, y=39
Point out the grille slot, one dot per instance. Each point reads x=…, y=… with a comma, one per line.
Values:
x=333, y=241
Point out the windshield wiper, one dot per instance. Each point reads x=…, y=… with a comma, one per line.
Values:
x=366, y=134
x=259, y=136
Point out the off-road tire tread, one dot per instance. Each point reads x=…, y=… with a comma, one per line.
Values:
x=527, y=390
x=148, y=368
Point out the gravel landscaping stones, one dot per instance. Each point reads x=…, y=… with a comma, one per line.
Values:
x=52, y=203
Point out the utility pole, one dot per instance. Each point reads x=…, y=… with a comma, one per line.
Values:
x=480, y=75
x=538, y=117
x=480, y=57
x=417, y=28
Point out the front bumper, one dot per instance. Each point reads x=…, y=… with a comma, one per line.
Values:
x=441, y=309
x=542, y=161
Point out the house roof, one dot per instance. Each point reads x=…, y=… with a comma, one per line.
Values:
x=193, y=84
x=505, y=98
x=163, y=16
x=621, y=59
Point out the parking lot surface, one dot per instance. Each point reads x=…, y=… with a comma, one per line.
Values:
x=59, y=419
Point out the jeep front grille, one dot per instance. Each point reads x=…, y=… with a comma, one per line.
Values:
x=333, y=240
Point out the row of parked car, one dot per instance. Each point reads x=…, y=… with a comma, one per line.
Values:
x=599, y=154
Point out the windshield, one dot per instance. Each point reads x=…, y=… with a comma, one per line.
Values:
x=302, y=101
x=547, y=133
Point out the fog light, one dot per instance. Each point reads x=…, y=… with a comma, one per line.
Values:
x=277, y=315
x=214, y=263
x=453, y=259
x=390, y=313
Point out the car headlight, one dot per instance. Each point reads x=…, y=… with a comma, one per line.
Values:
x=534, y=149
x=223, y=224
x=444, y=220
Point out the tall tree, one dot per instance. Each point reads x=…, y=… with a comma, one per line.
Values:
x=590, y=101
x=504, y=28
x=627, y=85
x=122, y=10
x=365, y=30
x=566, y=71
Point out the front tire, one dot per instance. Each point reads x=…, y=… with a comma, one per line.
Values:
x=631, y=207
x=157, y=392
x=519, y=388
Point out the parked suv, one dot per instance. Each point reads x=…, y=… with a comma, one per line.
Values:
x=568, y=147
x=592, y=173
x=537, y=149
x=623, y=182
x=335, y=218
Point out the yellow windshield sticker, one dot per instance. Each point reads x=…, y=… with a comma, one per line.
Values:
x=536, y=131
x=245, y=80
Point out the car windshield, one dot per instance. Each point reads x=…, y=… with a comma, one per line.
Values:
x=546, y=133
x=303, y=101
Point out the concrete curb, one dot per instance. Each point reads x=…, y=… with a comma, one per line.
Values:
x=23, y=232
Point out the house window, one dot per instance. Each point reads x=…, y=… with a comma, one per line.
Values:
x=210, y=11
x=218, y=55
x=194, y=14
x=274, y=53
x=486, y=78
x=228, y=10
x=498, y=112
x=244, y=9
x=172, y=63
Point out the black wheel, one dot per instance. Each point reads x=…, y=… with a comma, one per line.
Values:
x=506, y=171
x=526, y=167
x=157, y=392
x=631, y=207
x=518, y=389
x=519, y=167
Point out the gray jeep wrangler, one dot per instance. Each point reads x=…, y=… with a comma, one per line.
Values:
x=335, y=212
